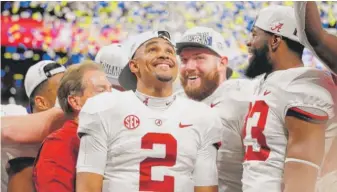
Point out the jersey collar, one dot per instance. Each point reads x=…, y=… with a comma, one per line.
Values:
x=160, y=103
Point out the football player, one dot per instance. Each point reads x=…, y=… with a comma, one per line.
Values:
x=323, y=45
x=147, y=139
x=35, y=127
x=284, y=131
x=203, y=74
x=41, y=84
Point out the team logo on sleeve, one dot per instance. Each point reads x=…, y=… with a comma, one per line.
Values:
x=131, y=122
x=158, y=122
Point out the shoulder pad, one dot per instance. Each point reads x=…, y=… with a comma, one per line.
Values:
x=100, y=102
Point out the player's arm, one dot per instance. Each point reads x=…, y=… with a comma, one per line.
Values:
x=205, y=173
x=309, y=107
x=89, y=177
x=330, y=163
x=323, y=43
x=33, y=128
x=305, y=152
x=92, y=153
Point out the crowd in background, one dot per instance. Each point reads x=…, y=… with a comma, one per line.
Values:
x=69, y=32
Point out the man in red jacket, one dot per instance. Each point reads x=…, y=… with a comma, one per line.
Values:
x=55, y=166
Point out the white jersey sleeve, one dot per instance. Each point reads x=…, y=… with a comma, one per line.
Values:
x=205, y=173
x=12, y=109
x=309, y=96
x=93, y=134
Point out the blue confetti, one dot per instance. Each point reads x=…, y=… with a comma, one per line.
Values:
x=23, y=46
x=3, y=73
x=325, y=25
x=76, y=58
x=24, y=4
x=91, y=56
x=11, y=49
x=7, y=5
x=18, y=83
x=121, y=5
x=103, y=3
x=22, y=56
x=46, y=57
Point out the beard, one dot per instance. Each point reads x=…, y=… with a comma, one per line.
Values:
x=208, y=84
x=260, y=62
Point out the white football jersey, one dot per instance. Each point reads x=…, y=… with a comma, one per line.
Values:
x=265, y=136
x=231, y=102
x=137, y=148
x=14, y=150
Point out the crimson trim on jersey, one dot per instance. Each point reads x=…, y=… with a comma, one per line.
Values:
x=306, y=116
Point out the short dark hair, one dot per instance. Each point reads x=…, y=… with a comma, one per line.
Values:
x=294, y=46
x=72, y=83
x=36, y=92
x=229, y=72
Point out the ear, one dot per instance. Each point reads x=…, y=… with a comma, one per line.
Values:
x=134, y=67
x=275, y=42
x=75, y=102
x=41, y=103
x=223, y=62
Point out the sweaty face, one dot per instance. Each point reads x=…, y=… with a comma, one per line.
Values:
x=156, y=60
x=259, y=58
x=199, y=72
x=94, y=82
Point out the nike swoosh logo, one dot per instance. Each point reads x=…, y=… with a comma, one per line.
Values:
x=213, y=105
x=184, y=125
x=266, y=92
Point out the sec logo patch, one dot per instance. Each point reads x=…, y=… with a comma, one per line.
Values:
x=131, y=122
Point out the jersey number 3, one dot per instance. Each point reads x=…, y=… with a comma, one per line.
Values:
x=254, y=139
x=145, y=182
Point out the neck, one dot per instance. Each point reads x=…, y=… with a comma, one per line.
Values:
x=162, y=89
x=222, y=77
x=74, y=116
x=75, y=119
x=36, y=110
x=287, y=61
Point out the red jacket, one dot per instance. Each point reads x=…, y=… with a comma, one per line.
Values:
x=55, y=165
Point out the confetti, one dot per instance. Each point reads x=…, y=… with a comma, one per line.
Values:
x=72, y=31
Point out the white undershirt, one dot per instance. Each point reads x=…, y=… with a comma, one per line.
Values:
x=156, y=103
